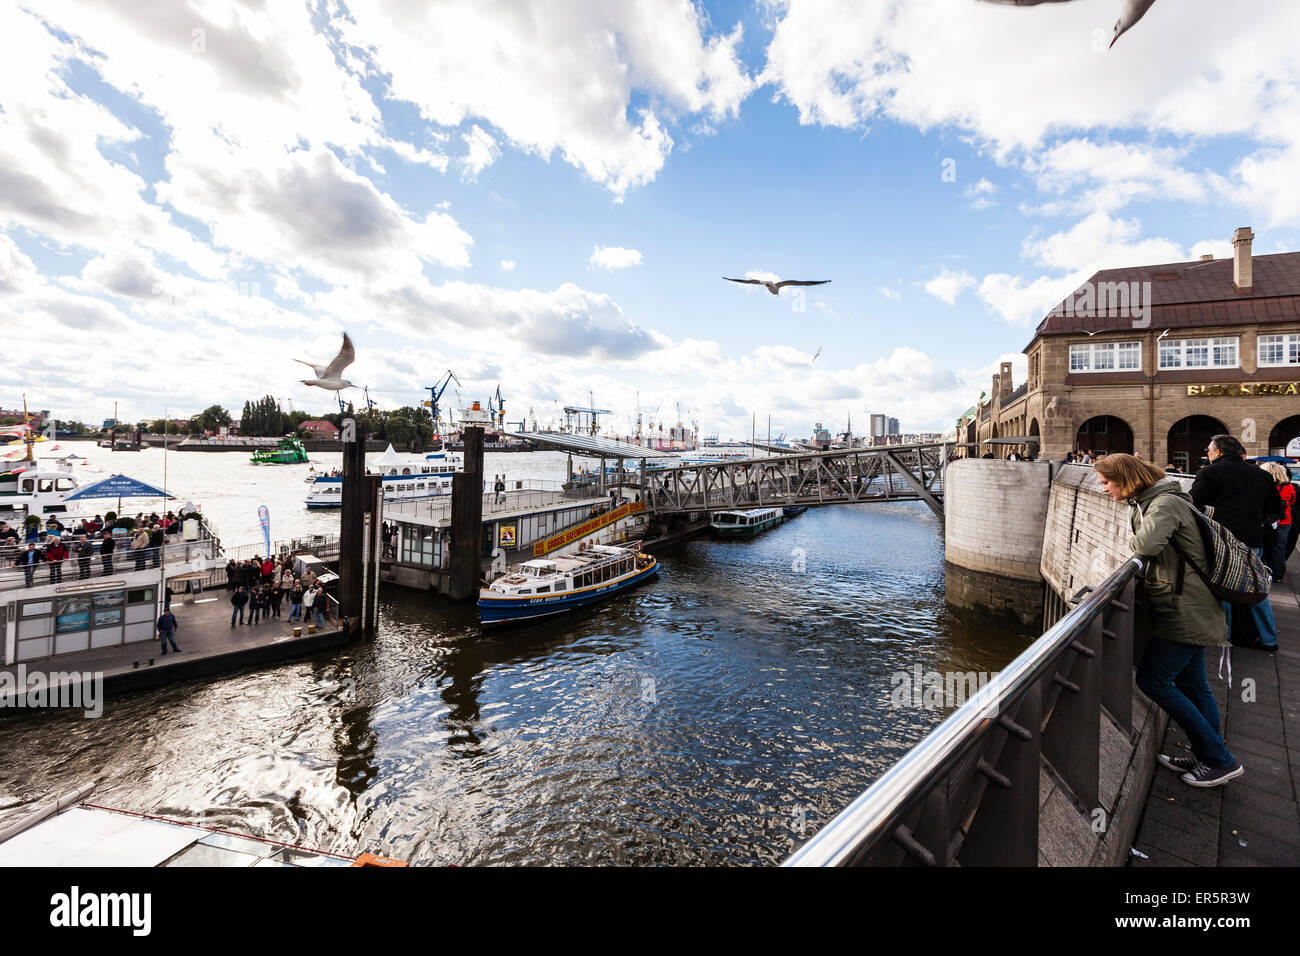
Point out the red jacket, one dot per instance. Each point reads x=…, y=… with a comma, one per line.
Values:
x=56, y=552
x=1287, y=492
x=268, y=568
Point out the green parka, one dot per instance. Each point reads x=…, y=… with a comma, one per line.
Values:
x=1160, y=516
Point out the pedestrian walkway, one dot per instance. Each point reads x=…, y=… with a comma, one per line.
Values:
x=207, y=642
x=1252, y=820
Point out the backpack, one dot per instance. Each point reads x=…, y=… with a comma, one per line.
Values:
x=1235, y=573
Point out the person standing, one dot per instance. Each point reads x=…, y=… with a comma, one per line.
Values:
x=85, y=551
x=166, y=628
x=500, y=488
x=140, y=547
x=308, y=600
x=1183, y=622
x=318, y=605
x=106, y=547
x=295, y=603
x=255, y=599
x=156, y=544
x=1244, y=498
x=55, y=555
x=237, y=602
x=232, y=574
x=1281, y=533
x=30, y=558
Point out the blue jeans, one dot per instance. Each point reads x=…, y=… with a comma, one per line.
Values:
x=320, y=615
x=1173, y=676
x=295, y=611
x=166, y=637
x=238, y=612
x=1262, y=613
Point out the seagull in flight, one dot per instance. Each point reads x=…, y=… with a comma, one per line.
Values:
x=814, y=358
x=1134, y=10
x=776, y=287
x=331, y=376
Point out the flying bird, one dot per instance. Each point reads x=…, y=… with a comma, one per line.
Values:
x=776, y=287
x=1134, y=10
x=331, y=376
x=814, y=358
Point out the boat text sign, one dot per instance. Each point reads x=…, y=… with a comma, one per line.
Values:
x=586, y=528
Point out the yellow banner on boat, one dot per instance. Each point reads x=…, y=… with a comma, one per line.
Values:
x=587, y=527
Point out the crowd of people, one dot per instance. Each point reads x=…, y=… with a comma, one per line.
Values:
x=1255, y=506
x=55, y=544
x=259, y=587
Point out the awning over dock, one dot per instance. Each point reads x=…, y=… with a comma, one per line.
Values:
x=589, y=445
x=119, y=486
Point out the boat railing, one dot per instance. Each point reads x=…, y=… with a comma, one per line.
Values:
x=124, y=559
x=968, y=794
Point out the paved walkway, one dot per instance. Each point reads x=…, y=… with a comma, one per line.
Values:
x=1253, y=820
x=205, y=638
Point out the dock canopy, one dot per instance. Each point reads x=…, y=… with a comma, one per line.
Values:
x=390, y=459
x=589, y=445
x=118, y=486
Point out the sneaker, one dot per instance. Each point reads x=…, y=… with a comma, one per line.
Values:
x=1181, y=764
x=1258, y=645
x=1203, y=775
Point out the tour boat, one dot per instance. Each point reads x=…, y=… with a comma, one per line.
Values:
x=743, y=523
x=543, y=587
x=794, y=512
x=288, y=451
x=402, y=478
x=28, y=490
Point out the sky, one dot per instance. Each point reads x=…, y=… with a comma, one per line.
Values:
x=544, y=195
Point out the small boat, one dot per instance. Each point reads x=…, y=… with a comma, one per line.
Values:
x=734, y=524
x=794, y=512
x=288, y=451
x=543, y=587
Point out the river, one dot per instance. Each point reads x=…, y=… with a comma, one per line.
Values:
x=718, y=715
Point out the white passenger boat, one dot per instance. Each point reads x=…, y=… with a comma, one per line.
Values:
x=734, y=524
x=543, y=587
x=31, y=488
x=403, y=478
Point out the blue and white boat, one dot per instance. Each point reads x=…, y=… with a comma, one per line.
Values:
x=547, y=586
x=402, y=478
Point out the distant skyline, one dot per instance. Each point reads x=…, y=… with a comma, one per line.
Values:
x=546, y=196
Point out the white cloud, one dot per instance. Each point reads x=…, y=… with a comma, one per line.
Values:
x=981, y=194
x=482, y=152
x=507, y=265
x=947, y=285
x=614, y=257
x=889, y=293
x=559, y=74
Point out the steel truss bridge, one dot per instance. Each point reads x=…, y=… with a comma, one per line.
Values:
x=845, y=476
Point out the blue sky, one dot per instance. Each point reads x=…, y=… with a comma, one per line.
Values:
x=206, y=191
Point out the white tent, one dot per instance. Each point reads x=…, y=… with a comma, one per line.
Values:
x=390, y=459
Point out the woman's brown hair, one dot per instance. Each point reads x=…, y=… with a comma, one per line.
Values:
x=1131, y=474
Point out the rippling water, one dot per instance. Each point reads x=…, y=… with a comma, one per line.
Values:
x=718, y=715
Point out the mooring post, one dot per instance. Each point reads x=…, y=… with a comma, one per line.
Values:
x=352, y=528
x=467, y=518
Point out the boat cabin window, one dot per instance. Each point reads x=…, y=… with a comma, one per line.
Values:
x=45, y=484
x=544, y=589
x=29, y=485
x=561, y=585
x=64, y=484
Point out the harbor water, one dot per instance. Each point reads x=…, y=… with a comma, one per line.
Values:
x=718, y=715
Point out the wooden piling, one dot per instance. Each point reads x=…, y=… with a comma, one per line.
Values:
x=467, y=519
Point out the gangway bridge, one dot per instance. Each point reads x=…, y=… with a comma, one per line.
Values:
x=838, y=476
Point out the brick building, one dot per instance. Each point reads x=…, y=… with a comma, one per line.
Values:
x=1157, y=359
x=319, y=428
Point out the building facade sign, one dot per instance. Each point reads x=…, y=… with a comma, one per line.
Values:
x=1243, y=389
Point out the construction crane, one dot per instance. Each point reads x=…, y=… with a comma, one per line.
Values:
x=435, y=395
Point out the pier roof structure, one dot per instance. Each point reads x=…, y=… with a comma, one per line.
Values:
x=590, y=445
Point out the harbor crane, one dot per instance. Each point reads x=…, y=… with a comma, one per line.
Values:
x=435, y=395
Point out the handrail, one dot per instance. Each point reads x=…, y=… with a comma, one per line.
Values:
x=875, y=813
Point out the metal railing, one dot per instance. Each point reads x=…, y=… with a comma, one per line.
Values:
x=434, y=510
x=124, y=560
x=968, y=794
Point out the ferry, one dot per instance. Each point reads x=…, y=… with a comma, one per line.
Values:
x=403, y=479
x=288, y=451
x=712, y=457
x=733, y=524
x=544, y=587
x=30, y=489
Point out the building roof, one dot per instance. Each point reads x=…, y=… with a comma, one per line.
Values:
x=318, y=423
x=1187, y=295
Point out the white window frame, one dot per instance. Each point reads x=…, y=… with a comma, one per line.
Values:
x=1177, y=354
x=1289, y=343
x=1091, y=354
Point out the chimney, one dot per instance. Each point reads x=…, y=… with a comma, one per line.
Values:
x=1242, y=274
x=1005, y=380
x=1207, y=258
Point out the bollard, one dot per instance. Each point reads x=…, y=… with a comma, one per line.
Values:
x=297, y=632
x=311, y=628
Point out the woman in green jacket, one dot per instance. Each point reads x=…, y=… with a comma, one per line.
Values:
x=1185, y=617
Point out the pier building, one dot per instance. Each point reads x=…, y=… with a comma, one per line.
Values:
x=1155, y=360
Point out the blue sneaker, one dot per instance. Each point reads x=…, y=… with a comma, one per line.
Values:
x=1203, y=775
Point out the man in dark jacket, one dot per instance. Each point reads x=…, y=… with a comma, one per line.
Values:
x=85, y=551
x=29, y=559
x=237, y=602
x=1244, y=498
x=106, y=548
x=156, y=544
